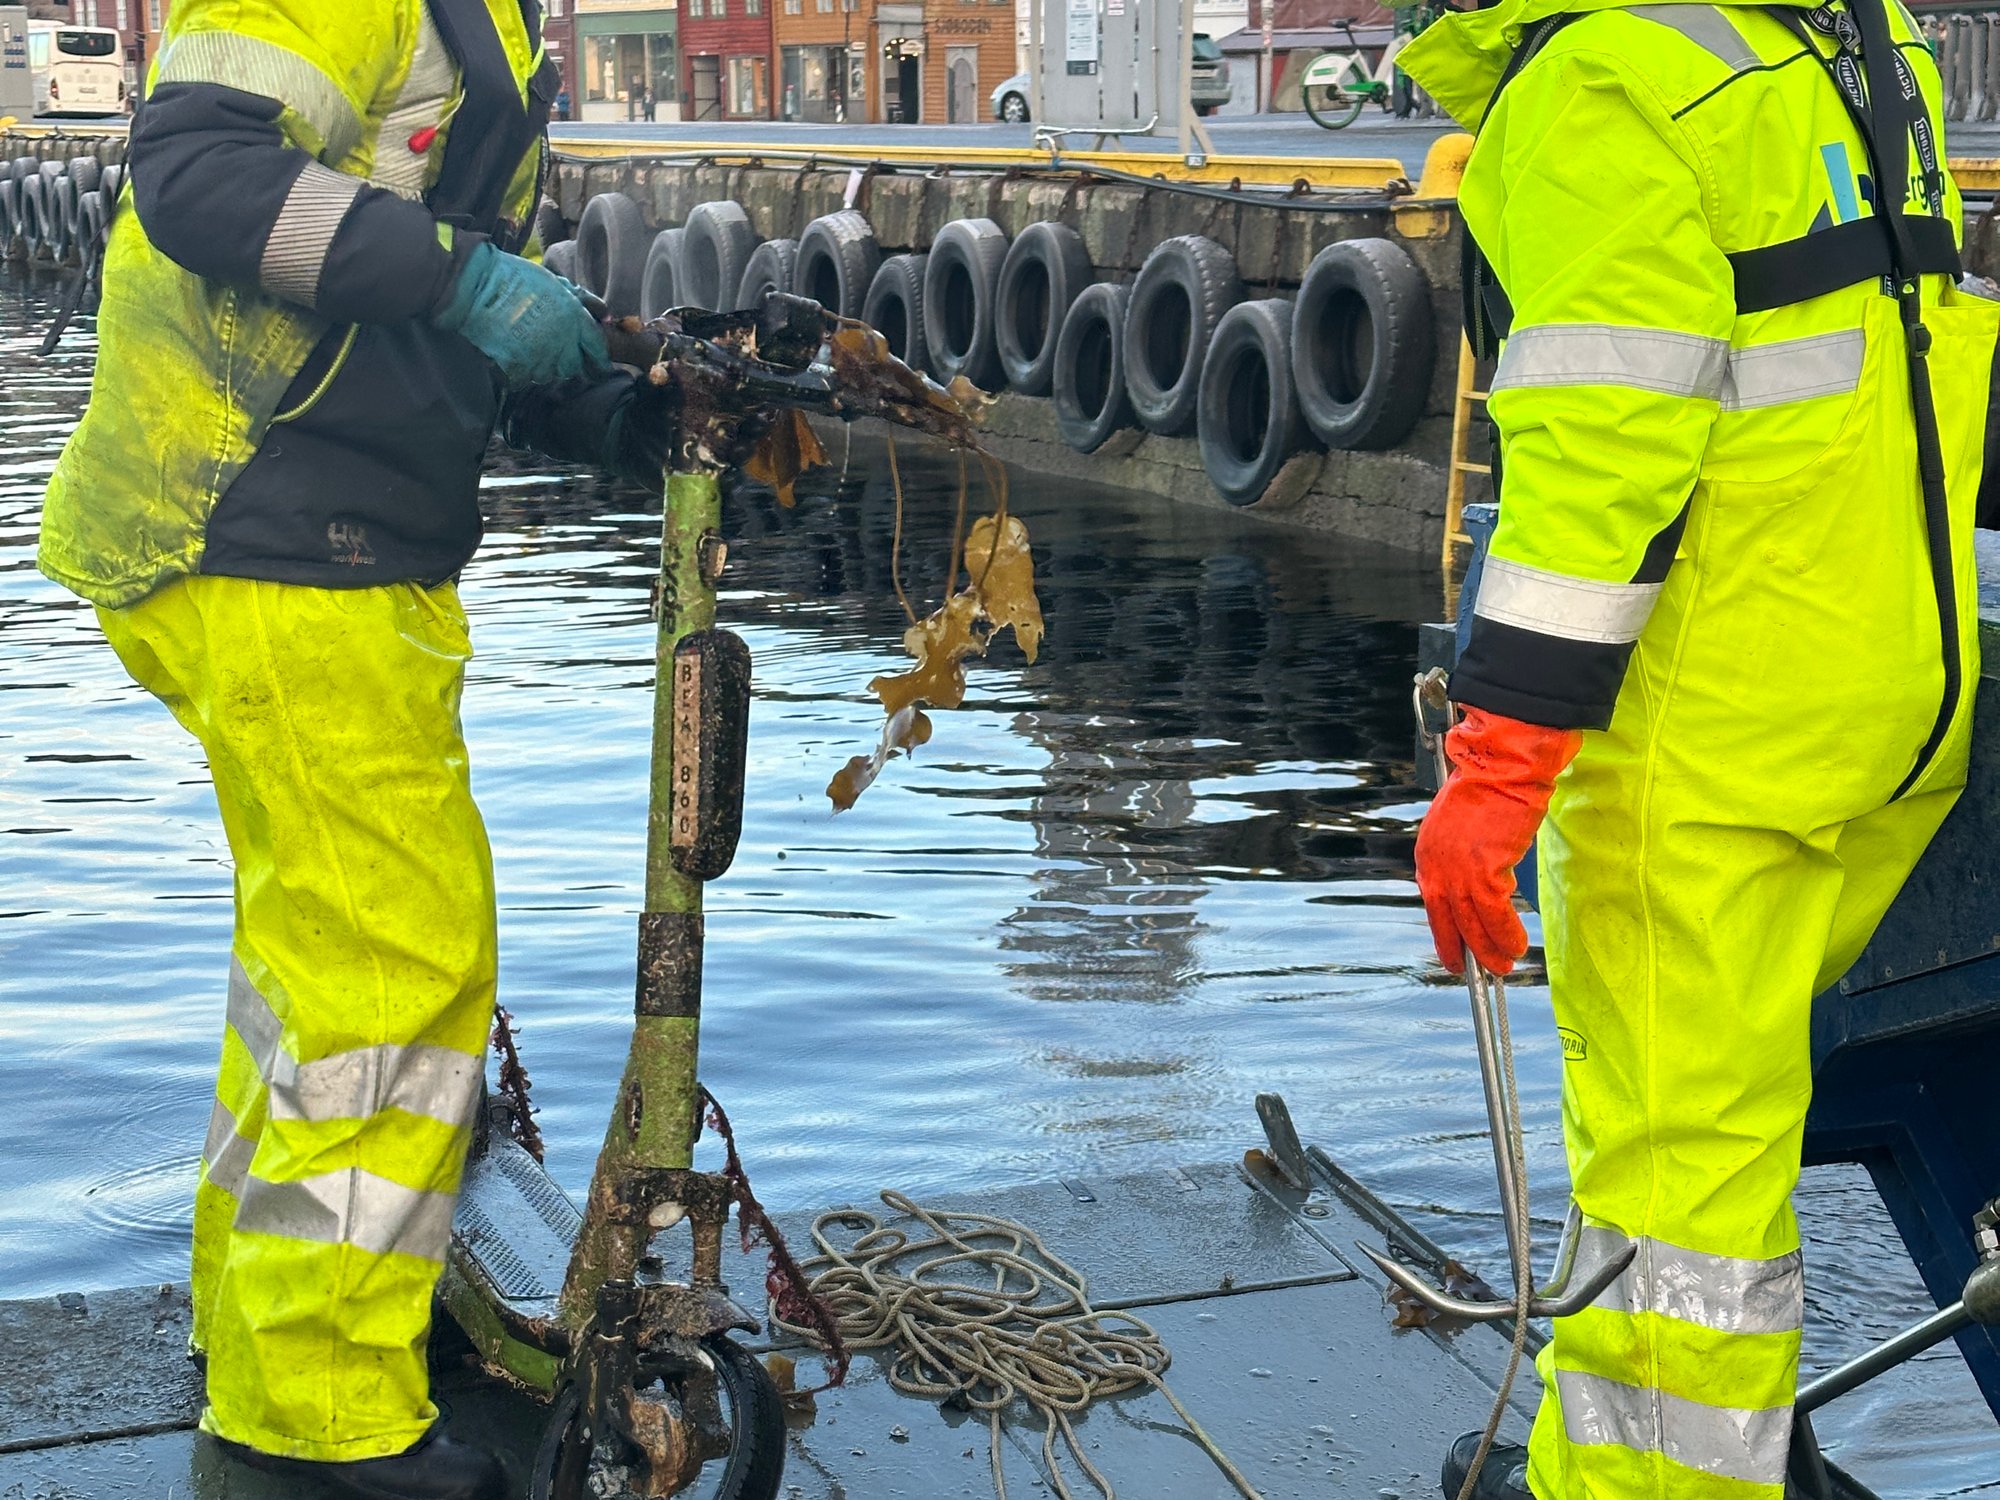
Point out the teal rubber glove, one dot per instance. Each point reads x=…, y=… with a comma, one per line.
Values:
x=525, y=319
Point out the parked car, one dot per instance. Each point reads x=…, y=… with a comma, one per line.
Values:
x=1211, y=88
x=1010, y=100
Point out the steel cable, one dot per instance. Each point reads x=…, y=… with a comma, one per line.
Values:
x=977, y=1311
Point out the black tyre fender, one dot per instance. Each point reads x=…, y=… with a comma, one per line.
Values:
x=1182, y=291
x=718, y=247
x=23, y=167
x=91, y=223
x=561, y=259
x=1363, y=345
x=660, y=286
x=111, y=184
x=1089, y=378
x=34, y=214
x=86, y=172
x=55, y=214
x=1046, y=268
x=1248, y=415
x=770, y=269
x=754, y=1468
x=549, y=226
x=837, y=260
x=10, y=212
x=962, y=301
x=894, y=308
x=611, y=246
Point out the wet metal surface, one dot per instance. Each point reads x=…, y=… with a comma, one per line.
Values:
x=1123, y=891
x=1304, y=1383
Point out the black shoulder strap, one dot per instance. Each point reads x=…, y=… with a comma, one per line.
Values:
x=492, y=130
x=1487, y=312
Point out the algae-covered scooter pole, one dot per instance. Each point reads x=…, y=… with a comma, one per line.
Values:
x=650, y=1394
x=651, y=1368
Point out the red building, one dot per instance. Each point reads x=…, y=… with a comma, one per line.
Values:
x=726, y=56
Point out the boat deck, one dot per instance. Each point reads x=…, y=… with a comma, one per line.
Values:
x=1283, y=1348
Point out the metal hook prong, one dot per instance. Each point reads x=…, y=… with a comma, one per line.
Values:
x=1546, y=1304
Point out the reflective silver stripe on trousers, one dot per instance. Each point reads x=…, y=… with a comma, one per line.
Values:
x=1577, y=609
x=295, y=253
x=235, y=61
x=1826, y=364
x=1650, y=359
x=350, y=1207
x=432, y=1081
x=436, y=1082
x=226, y=1155
x=1726, y=1293
x=1708, y=28
x=1728, y=1441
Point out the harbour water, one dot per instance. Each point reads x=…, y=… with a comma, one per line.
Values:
x=1121, y=891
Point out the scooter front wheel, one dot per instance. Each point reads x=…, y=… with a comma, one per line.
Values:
x=1331, y=108
x=752, y=1408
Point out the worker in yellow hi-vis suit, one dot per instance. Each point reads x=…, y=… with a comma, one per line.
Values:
x=1725, y=640
x=315, y=313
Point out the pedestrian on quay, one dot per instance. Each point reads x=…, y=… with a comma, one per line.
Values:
x=1722, y=652
x=635, y=90
x=651, y=108
x=311, y=325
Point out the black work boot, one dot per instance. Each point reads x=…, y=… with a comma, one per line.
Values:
x=1504, y=1476
x=437, y=1468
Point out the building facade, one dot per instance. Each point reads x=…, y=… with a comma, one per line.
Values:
x=821, y=47
x=559, y=40
x=727, y=46
x=969, y=50
x=627, y=52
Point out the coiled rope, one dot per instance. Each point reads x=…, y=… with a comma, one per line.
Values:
x=979, y=1312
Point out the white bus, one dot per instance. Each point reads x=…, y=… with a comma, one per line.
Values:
x=78, y=70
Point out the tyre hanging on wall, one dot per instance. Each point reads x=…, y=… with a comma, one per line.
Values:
x=612, y=243
x=660, y=285
x=1248, y=414
x=549, y=226
x=715, y=253
x=10, y=214
x=1182, y=291
x=56, y=213
x=1046, y=268
x=770, y=269
x=894, y=308
x=34, y=215
x=961, y=298
x=1363, y=345
x=1089, y=372
x=561, y=259
x=837, y=260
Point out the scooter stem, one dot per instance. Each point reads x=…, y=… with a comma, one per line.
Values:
x=654, y=1123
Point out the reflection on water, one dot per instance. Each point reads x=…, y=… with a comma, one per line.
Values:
x=1119, y=893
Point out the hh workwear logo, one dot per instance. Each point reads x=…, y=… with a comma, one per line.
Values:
x=349, y=544
x=1575, y=1048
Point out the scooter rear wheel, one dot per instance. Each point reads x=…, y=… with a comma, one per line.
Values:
x=752, y=1407
x=1331, y=108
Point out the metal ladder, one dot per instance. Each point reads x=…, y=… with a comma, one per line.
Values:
x=1461, y=446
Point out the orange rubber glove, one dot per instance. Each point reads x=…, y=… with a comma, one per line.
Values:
x=1480, y=826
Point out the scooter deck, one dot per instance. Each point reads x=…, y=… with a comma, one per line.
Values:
x=515, y=1227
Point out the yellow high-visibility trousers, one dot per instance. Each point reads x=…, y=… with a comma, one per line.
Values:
x=360, y=995
x=1712, y=861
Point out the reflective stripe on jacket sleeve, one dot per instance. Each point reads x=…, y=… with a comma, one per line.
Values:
x=1616, y=367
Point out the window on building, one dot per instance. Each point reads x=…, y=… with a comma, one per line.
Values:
x=793, y=7
x=753, y=7
x=555, y=9
x=154, y=11
x=825, y=6
x=697, y=9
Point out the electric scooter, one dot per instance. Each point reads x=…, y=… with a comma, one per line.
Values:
x=647, y=1386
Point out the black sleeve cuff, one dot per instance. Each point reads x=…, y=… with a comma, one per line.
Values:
x=570, y=421
x=1539, y=679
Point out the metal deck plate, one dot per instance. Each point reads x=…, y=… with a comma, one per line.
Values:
x=516, y=1226
x=79, y=1366
x=1148, y=1238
